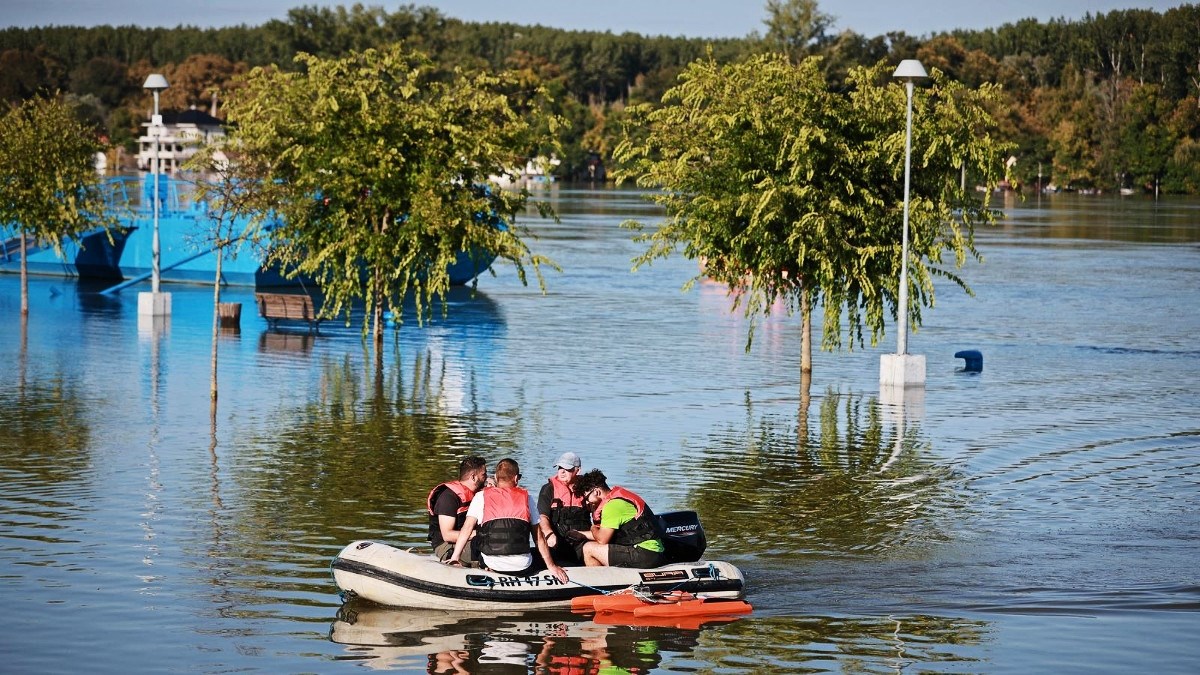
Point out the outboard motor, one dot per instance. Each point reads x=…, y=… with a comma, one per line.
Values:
x=683, y=536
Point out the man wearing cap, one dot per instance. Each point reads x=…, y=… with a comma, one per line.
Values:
x=563, y=517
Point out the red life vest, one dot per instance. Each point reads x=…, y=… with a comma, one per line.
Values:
x=464, y=494
x=567, y=512
x=641, y=528
x=505, y=527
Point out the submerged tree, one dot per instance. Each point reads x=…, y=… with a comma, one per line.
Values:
x=375, y=166
x=230, y=202
x=49, y=189
x=789, y=191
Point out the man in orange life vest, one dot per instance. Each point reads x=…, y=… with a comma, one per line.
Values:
x=626, y=533
x=561, y=515
x=507, y=516
x=447, y=504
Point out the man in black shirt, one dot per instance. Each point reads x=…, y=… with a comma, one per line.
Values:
x=447, y=505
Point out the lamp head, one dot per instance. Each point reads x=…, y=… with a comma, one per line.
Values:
x=155, y=82
x=910, y=69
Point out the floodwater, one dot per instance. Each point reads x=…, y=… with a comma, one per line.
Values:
x=1040, y=516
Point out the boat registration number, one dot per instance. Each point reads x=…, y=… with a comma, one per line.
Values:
x=514, y=582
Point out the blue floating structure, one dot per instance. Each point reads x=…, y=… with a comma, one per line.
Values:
x=973, y=359
x=126, y=251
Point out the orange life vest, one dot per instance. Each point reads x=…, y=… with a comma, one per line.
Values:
x=464, y=494
x=641, y=528
x=504, y=528
x=567, y=512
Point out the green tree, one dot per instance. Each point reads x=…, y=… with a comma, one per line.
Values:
x=795, y=27
x=22, y=74
x=102, y=77
x=374, y=163
x=229, y=203
x=202, y=80
x=788, y=191
x=49, y=189
x=1071, y=114
x=1146, y=137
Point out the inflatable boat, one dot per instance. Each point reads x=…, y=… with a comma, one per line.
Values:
x=393, y=577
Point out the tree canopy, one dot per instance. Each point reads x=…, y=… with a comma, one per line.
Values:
x=1072, y=100
x=49, y=188
x=374, y=165
x=787, y=190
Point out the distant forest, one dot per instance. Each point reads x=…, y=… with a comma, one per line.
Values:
x=1109, y=101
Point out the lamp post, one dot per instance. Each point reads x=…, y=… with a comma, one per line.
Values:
x=155, y=303
x=903, y=369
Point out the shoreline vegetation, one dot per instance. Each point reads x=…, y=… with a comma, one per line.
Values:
x=1108, y=103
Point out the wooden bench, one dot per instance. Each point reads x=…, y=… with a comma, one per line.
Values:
x=276, y=307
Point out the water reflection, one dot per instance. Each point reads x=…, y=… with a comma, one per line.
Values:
x=1065, y=217
x=556, y=642
x=887, y=644
x=1050, y=501
x=507, y=641
x=857, y=483
x=380, y=437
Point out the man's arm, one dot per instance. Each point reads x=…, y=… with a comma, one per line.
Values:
x=536, y=521
x=544, y=500
x=545, y=530
x=544, y=550
x=615, y=513
x=467, y=528
x=446, y=524
x=601, y=534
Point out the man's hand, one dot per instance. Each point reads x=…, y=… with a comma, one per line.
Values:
x=559, y=573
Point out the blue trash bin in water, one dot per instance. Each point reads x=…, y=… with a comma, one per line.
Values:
x=973, y=359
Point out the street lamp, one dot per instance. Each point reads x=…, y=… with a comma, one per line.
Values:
x=904, y=369
x=157, y=304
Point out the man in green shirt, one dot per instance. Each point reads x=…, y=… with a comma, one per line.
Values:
x=625, y=532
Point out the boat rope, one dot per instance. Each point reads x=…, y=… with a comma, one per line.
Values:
x=600, y=591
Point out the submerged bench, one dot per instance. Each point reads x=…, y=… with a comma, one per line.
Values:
x=276, y=307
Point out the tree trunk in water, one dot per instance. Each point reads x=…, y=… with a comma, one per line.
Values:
x=805, y=336
x=802, y=418
x=216, y=329
x=23, y=358
x=377, y=291
x=24, y=278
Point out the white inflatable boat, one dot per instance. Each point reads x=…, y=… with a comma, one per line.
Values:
x=393, y=577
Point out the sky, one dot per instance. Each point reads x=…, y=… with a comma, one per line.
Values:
x=690, y=18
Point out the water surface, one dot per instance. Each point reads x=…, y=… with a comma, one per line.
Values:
x=1040, y=516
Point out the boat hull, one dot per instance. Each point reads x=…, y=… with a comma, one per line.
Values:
x=394, y=577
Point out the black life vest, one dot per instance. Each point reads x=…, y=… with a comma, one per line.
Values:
x=643, y=527
x=567, y=511
x=464, y=494
x=505, y=527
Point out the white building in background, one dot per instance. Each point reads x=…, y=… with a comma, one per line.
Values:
x=537, y=172
x=180, y=136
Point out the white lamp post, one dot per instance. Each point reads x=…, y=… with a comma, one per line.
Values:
x=903, y=369
x=155, y=303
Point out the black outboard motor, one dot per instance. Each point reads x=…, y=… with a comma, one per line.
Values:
x=683, y=536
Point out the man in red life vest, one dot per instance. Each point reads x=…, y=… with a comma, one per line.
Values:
x=447, y=505
x=507, y=516
x=562, y=516
x=626, y=533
